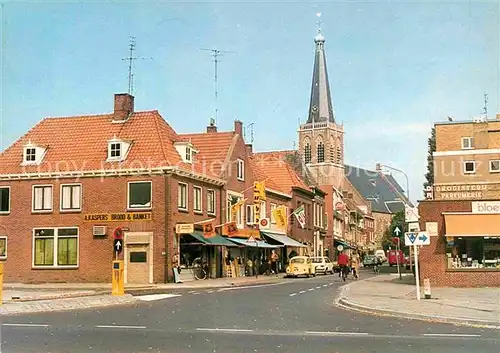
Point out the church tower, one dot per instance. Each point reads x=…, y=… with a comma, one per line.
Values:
x=321, y=139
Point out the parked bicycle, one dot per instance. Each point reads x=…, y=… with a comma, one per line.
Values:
x=200, y=269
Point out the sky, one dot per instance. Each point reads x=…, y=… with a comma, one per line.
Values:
x=394, y=68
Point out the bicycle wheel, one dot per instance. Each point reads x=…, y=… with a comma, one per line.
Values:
x=200, y=273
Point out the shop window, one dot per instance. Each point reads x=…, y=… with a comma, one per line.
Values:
x=55, y=247
x=473, y=252
x=197, y=199
x=42, y=198
x=182, y=197
x=4, y=199
x=469, y=167
x=71, y=197
x=138, y=257
x=211, y=202
x=495, y=166
x=139, y=195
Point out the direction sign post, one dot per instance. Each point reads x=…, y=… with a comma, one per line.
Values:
x=413, y=239
x=397, y=231
x=417, y=276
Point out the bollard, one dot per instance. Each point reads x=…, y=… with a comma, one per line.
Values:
x=427, y=288
x=117, y=280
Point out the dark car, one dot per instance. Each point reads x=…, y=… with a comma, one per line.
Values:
x=370, y=260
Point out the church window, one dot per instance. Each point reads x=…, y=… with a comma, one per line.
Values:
x=321, y=152
x=307, y=153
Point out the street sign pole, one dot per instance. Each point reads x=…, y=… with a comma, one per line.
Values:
x=417, y=277
x=397, y=260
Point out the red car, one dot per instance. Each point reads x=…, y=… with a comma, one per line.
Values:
x=392, y=258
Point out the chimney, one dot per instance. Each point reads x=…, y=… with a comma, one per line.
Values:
x=124, y=106
x=249, y=149
x=212, y=128
x=238, y=127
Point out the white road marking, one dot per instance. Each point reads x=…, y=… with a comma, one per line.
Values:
x=248, y=287
x=293, y=294
x=310, y=289
x=331, y=283
x=151, y=297
x=330, y=333
x=318, y=287
x=224, y=329
x=26, y=325
x=302, y=292
x=325, y=285
x=195, y=293
x=210, y=291
x=120, y=326
x=449, y=335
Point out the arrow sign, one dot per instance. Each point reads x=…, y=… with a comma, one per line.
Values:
x=397, y=231
x=417, y=238
x=117, y=245
x=422, y=237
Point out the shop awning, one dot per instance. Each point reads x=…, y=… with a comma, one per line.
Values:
x=472, y=225
x=216, y=240
x=283, y=239
x=253, y=244
x=344, y=244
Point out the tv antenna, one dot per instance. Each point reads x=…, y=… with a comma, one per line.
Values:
x=215, y=54
x=130, y=60
x=251, y=126
x=485, y=109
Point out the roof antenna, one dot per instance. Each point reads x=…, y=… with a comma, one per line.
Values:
x=251, y=125
x=215, y=54
x=130, y=60
x=485, y=109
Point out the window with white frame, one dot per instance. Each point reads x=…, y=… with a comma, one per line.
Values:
x=42, y=198
x=71, y=197
x=118, y=149
x=211, y=202
x=115, y=150
x=241, y=170
x=469, y=167
x=4, y=199
x=250, y=215
x=321, y=217
x=197, y=199
x=495, y=166
x=55, y=247
x=273, y=207
x=188, y=154
x=139, y=195
x=237, y=216
x=467, y=143
x=182, y=197
x=30, y=154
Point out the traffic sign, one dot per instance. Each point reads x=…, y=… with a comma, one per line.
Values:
x=118, y=245
x=251, y=239
x=411, y=214
x=397, y=231
x=417, y=238
x=118, y=233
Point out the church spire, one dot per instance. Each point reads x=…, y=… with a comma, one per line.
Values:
x=320, y=106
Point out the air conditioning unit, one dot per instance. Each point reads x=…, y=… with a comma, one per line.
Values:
x=99, y=231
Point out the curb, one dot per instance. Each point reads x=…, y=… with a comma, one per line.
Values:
x=55, y=297
x=342, y=302
x=61, y=305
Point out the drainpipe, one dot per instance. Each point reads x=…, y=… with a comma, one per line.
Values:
x=167, y=225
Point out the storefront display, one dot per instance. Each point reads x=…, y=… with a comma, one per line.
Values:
x=473, y=252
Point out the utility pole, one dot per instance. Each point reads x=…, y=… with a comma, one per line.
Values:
x=130, y=60
x=215, y=54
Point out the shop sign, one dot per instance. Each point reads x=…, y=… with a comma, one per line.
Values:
x=460, y=192
x=118, y=217
x=486, y=207
x=186, y=228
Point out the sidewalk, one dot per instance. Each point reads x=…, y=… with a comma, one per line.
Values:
x=30, y=298
x=387, y=295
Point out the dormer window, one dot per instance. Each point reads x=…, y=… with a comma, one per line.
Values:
x=117, y=149
x=186, y=151
x=33, y=154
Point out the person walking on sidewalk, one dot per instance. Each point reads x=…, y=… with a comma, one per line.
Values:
x=355, y=266
x=274, y=262
x=343, y=262
x=175, y=267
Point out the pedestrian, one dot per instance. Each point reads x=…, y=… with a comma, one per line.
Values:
x=343, y=262
x=175, y=267
x=355, y=266
x=274, y=262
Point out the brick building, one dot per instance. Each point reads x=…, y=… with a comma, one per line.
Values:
x=69, y=182
x=463, y=216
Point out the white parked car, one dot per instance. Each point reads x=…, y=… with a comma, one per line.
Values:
x=381, y=255
x=322, y=264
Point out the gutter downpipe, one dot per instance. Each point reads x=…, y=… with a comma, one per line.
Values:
x=167, y=257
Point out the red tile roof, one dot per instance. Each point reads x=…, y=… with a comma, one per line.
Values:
x=274, y=166
x=80, y=144
x=212, y=149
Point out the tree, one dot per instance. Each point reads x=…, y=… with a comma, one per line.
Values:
x=431, y=143
x=398, y=221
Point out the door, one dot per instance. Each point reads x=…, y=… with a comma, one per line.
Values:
x=138, y=262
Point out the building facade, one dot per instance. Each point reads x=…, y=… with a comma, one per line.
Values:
x=463, y=215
